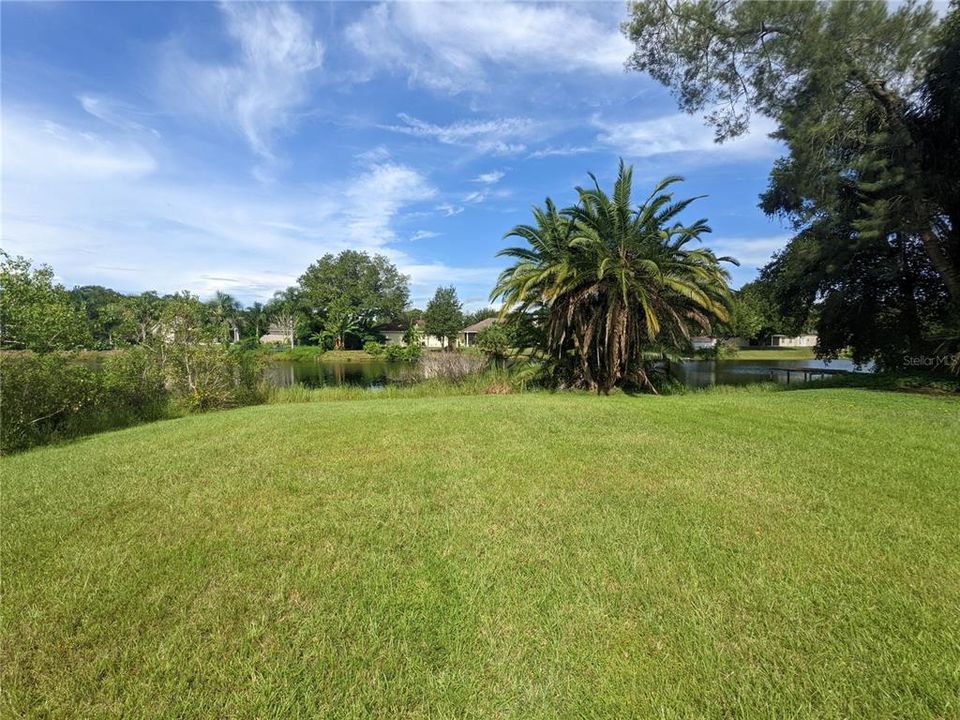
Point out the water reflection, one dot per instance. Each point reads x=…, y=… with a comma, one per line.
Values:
x=703, y=373
x=376, y=373
x=314, y=374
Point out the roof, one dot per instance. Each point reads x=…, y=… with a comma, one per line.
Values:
x=478, y=326
x=390, y=327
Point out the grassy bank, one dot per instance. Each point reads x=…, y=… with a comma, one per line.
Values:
x=773, y=354
x=745, y=553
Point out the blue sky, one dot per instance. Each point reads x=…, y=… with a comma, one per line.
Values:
x=225, y=147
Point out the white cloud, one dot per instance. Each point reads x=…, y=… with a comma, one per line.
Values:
x=136, y=230
x=423, y=235
x=498, y=137
x=489, y=178
x=448, y=210
x=375, y=198
x=114, y=112
x=478, y=196
x=374, y=155
x=560, y=151
x=754, y=252
x=425, y=278
x=258, y=93
x=42, y=149
x=446, y=46
x=682, y=133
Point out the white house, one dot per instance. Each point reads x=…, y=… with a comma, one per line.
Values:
x=701, y=342
x=275, y=334
x=805, y=340
x=394, y=332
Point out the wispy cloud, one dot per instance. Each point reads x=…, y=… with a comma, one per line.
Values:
x=116, y=113
x=448, y=210
x=489, y=178
x=560, y=151
x=375, y=198
x=248, y=238
x=752, y=252
x=447, y=46
x=40, y=149
x=259, y=93
x=423, y=235
x=681, y=133
x=499, y=136
x=426, y=277
x=478, y=196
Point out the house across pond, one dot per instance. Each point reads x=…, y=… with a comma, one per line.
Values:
x=771, y=341
x=395, y=333
x=468, y=336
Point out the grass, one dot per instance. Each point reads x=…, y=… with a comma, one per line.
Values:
x=798, y=353
x=481, y=383
x=734, y=554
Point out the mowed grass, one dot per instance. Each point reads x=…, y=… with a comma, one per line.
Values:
x=797, y=353
x=743, y=554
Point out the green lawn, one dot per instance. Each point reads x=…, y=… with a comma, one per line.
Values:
x=727, y=554
x=799, y=353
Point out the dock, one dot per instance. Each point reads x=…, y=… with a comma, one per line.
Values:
x=808, y=373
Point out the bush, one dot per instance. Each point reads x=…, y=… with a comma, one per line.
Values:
x=372, y=347
x=496, y=342
x=301, y=352
x=133, y=380
x=45, y=398
x=400, y=353
x=720, y=351
x=250, y=343
x=210, y=377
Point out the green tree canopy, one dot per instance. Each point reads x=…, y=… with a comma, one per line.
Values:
x=37, y=313
x=476, y=316
x=97, y=303
x=370, y=289
x=755, y=312
x=863, y=95
x=444, y=315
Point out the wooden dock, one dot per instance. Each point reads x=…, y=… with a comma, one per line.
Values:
x=808, y=373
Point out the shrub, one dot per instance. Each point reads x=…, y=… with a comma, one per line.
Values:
x=372, y=347
x=250, y=343
x=400, y=353
x=720, y=351
x=496, y=342
x=301, y=352
x=133, y=380
x=45, y=398
x=209, y=377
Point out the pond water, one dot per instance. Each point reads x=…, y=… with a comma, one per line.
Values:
x=315, y=374
x=703, y=373
x=376, y=373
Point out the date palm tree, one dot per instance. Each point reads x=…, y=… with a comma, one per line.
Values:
x=619, y=285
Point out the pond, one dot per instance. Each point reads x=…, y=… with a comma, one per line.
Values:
x=315, y=374
x=376, y=373
x=703, y=373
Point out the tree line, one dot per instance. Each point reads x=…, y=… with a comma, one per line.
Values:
x=338, y=302
x=866, y=99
